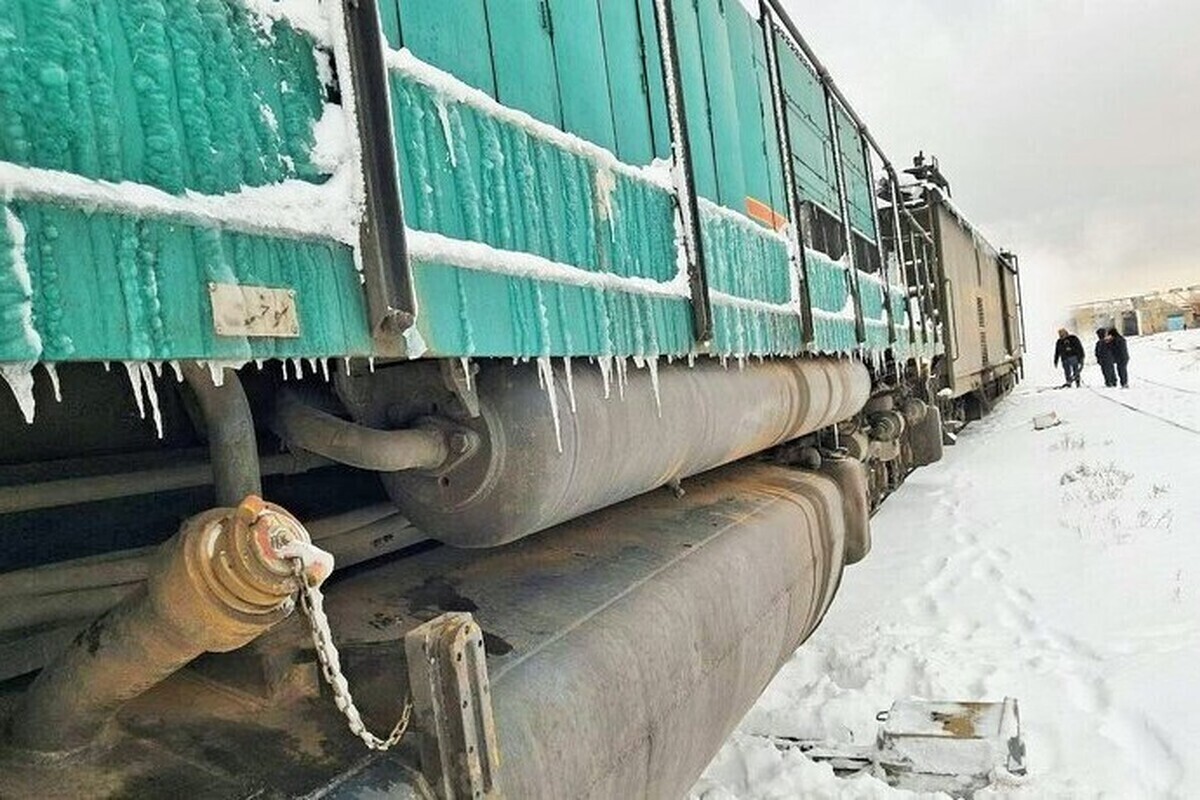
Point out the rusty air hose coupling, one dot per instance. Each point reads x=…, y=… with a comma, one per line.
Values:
x=225, y=578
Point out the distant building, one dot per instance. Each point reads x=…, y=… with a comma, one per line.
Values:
x=1154, y=312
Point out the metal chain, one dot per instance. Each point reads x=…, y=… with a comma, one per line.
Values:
x=313, y=603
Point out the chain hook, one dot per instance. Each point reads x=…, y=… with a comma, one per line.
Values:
x=312, y=602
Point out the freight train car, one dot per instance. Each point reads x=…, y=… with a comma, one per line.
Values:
x=970, y=291
x=458, y=288
x=980, y=300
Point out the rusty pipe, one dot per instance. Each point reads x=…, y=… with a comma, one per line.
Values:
x=181, y=474
x=73, y=591
x=306, y=427
x=221, y=581
x=232, y=444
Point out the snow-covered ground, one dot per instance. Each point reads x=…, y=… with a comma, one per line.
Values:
x=1060, y=567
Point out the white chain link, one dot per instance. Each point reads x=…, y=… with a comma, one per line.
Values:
x=313, y=603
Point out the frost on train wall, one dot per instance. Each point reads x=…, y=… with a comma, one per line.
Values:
x=580, y=249
x=150, y=148
x=221, y=154
x=176, y=95
x=529, y=241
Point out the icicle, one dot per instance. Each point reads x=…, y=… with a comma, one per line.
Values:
x=652, y=365
x=741, y=362
x=141, y=378
x=178, y=370
x=466, y=367
x=19, y=377
x=414, y=342
x=20, y=310
x=258, y=364
x=135, y=380
x=216, y=371
x=152, y=396
x=157, y=365
x=546, y=378
x=371, y=364
x=52, y=371
x=324, y=369
x=691, y=360
x=570, y=382
x=346, y=365
x=312, y=365
x=606, y=185
x=298, y=367
x=621, y=376
x=605, y=364
x=444, y=117
x=107, y=366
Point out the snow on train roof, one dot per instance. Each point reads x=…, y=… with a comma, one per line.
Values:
x=980, y=239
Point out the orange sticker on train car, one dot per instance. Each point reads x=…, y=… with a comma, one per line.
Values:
x=760, y=211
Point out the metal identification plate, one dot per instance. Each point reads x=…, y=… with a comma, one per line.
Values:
x=254, y=311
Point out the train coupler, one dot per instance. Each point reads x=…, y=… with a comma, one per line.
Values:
x=225, y=578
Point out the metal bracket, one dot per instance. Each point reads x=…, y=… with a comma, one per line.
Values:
x=458, y=375
x=784, y=136
x=685, y=183
x=447, y=674
x=390, y=300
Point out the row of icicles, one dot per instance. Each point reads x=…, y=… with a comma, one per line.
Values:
x=142, y=375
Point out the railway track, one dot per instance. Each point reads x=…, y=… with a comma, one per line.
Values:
x=1144, y=412
x=1169, y=386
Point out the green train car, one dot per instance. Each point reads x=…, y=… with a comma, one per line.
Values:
x=570, y=344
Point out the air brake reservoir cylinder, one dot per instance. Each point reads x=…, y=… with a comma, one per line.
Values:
x=540, y=463
x=225, y=578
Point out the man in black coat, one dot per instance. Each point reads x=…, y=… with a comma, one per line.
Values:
x=1069, y=350
x=1104, y=356
x=1120, y=351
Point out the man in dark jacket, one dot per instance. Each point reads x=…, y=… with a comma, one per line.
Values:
x=1120, y=351
x=1069, y=350
x=1104, y=356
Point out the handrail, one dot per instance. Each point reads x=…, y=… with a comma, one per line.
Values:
x=827, y=79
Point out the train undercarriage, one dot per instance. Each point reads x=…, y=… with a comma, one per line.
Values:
x=601, y=629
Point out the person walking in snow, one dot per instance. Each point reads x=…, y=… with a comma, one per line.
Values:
x=1120, y=351
x=1104, y=357
x=1069, y=350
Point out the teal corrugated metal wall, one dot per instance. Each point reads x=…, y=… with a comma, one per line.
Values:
x=202, y=96
x=198, y=97
x=179, y=95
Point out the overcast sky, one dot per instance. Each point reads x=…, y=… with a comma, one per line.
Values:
x=1069, y=130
